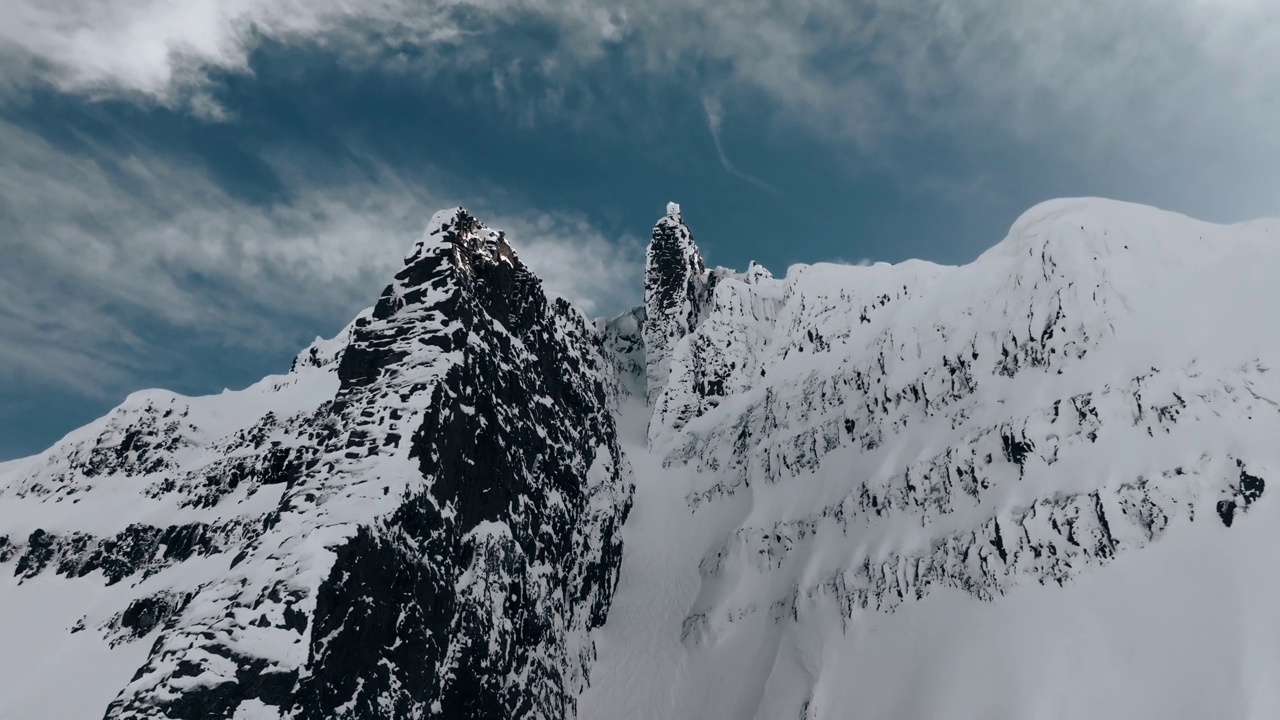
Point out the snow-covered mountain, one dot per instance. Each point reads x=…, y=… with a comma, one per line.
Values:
x=421, y=518
x=1031, y=486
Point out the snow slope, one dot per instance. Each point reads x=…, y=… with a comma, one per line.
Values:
x=1033, y=486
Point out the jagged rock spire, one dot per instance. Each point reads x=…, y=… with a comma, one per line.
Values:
x=676, y=286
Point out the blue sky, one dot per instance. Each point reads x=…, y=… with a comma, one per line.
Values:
x=190, y=192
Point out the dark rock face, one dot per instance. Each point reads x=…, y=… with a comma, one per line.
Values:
x=1242, y=495
x=138, y=549
x=677, y=288
x=144, y=615
x=370, y=580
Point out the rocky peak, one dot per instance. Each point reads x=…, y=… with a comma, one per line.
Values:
x=756, y=273
x=676, y=288
x=457, y=271
x=486, y=266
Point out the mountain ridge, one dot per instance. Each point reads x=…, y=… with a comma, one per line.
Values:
x=813, y=454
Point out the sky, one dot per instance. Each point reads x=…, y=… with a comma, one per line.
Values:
x=190, y=192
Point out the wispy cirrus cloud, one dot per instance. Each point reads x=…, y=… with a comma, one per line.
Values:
x=820, y=55
x=1163, y=86
x=102, y=243
x=715, y=120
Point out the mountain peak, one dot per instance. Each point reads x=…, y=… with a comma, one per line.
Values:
x=458, y=269
x=461, y=233
x=676, y=288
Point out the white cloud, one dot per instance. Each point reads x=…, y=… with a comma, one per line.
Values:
x=1167, y=85
x=715, y=119
x=602, y=276
x=152, y=47
x=93, y=254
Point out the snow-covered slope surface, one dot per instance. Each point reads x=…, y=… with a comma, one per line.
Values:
x=1031, y=486
x=1034, y=486
x=420, y=519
